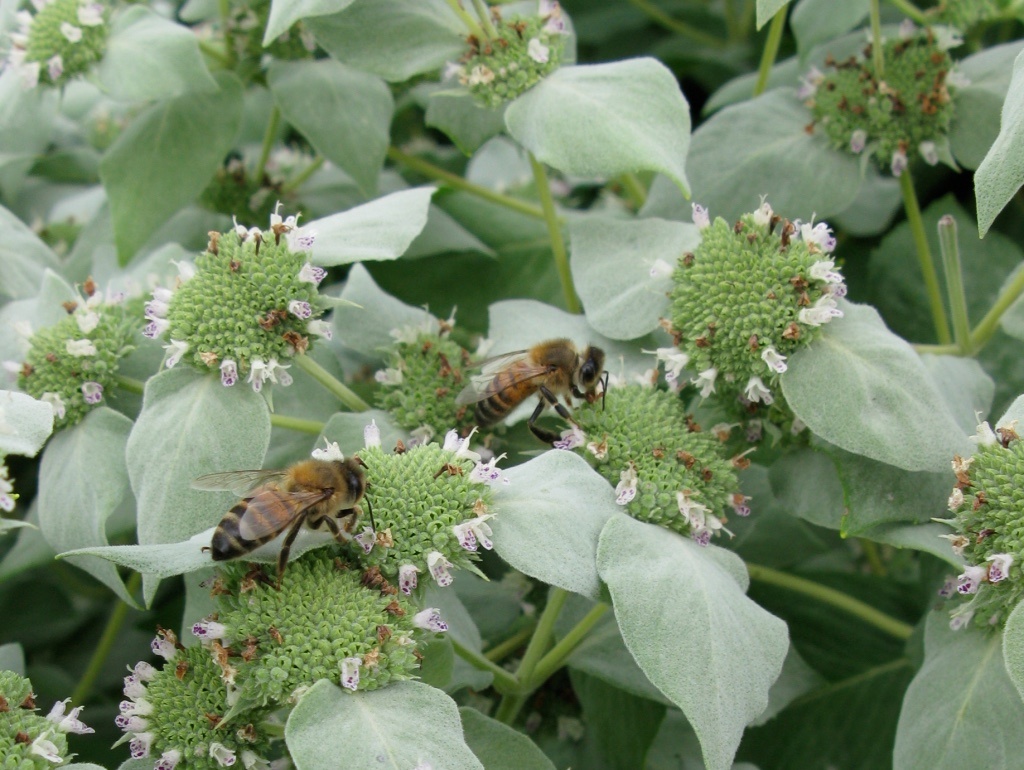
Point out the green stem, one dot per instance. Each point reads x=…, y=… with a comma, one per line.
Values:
x=215, y=53
x=484, y=14
x=268, y=144
x=313, y=427
x=731, y=19
x=547, y=203
x=911, y=11
x=771, y=50
x=877, y=59
x=556, y=658
x=633, y=189
x=924, y=256
x=329, y=381
x=950, y=250
x=130, y=384
x=873, y=556
x=679, y=27
x=224, y=9
x=511, y=704
x=938, y=350
x=990, y=323
x=106, y=643
x=504, y=682
x=429, y=170
x=502, y=650
x=300, y=179
x=838, y=599
x=467, y=19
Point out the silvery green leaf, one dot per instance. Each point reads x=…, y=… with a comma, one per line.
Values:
x=25, y=423
x=961, y=709
x=919, y=537
x=284, y=13
x=27, y=124
x=39, y=311
x=499, y=746
x=612, y=263
x=966, y=387
x=797, y=678
x=8, y=525
x=30, y=549
x=1014, y=411
x=467, y=123
x=818, y=21
x=23, y=258
x=713, y=652
x=12, y=658
x=83, y=477
x=1013, y=648
x=380, y=229
x=864, y=389
x=605, y=120
x=549, y=517
x=976, y=122
x=766, y=10
x=461, y=628
x=393, y=728
x=1001, y=173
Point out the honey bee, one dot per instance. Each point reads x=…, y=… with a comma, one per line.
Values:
x=553, y=368
x=312, y=492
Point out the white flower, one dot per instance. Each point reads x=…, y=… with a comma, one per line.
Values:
x=537, y=51
x=706, y=381
x=858, y=141
x=763, y=215
x=700, y=216
x=70, y=723
x=439, y=568
x=186, y=271
x=330, y=452
x=958, y=543
x=140, y=745
x=224, y=756
x=55, y=66
x=474, y=532
x=228, y=372
x=55, y=401
x=961, y=620
x=312, y=274
x=389, y=376
x=300, y=309
x=81, y=347
x=156, y=327
x=822, y=271
x=675, y=361
x=90, y=14
x=452, y=71
x=660, y=269
x=366, y=539
x=809, y=83
x=371, y=434
x=92, y=392
x=257, y=374
x=208, y=630
x=47, y=749
x=776, y=362
x=906, y=29
x=480, y=75
x=277, y=373
x=756, y=391
x=488, y=472
x=956, y=499
x=177, y=349
x=823, y=311
x=165, y=649
x=252, y=761
x=430, y=620
x=460, y=446
x=969, y=581
x=168, y=760
x=29, y=74
x=571, y=438
x=625, y=490
x=350, y=673
x=301, y=239
x=320, y=329
x=957, y=79
x=692, y=511
x=599, y=449
x=71, y=32
x=999, y=569
x=283, y=224
x=87, y=321
x=899, y=162
x=407, y=579
x=818, y=237
x=984, y=436
x=929, y=151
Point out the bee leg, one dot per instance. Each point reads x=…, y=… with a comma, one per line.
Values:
x=332, y=524
x=545, y=435
x=286, y=547
x=370, y=509
x=604, y=389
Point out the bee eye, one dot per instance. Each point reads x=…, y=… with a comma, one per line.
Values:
x=587, y=371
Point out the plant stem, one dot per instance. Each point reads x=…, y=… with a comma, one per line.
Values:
x=455, y=181
x=877, y=59
x=938, y=350
x=910, y=10
x=268, y=144
x=215, y=53
x=990, y=323
x=299, y=179
x=313, y=427
x=502, y=650
x=105, y=644
x=873, y=557
x=838, y=599
x=924, y=256
x=771, y=50
x=547, y=203
x=633, y=189
x=484, y=14
x=950, y=250
x=329, y=381
x=130, y=384
x=556, y=658
x=467, y=19
x=679, y=27
x=504, y=682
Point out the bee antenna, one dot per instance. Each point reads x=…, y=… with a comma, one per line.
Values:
x=604, y=389
x=370, y=509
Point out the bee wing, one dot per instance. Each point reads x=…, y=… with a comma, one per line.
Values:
x=486, y=385
x=494, y=363
x=262, y=516
x=239, y=482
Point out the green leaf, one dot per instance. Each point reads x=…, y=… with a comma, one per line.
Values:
x=820, y=503
x=367, y=328
x=611, y=266
x=344, y=113
x=393, y=728
x=797, y=679
x=919, y=537
x=818, y=21
x=27, y=124
x=549, y=518
x=190, y=424
x=30, y=548
x=864, y=389
x=967, y=388
x=83, y=478
x=25, y=423
x=713, y=651
x=761, y=147
x=975, y=124
x=605, y=120
x=461, y=629
x=1014, y=411
x=878, y=201
x=1013, y=648
x=150, y=57
x=396, y=39
x=12, y=658
x=462, y=119
x=961, y=710
x=499, y=746
x=143, y=172
x=284, y=13
x=766, y=10
x=380, y=229
x=1001, y=173
x=23, y=258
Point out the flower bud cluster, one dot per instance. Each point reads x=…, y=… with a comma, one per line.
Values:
x=751, y=295
x=988, y=521
x=28, y=740
x=422, y=377
x=74, y=362
x=666, y=470
x=249, y=303
x=522, y=52
x=61, y=41
x=908, y=110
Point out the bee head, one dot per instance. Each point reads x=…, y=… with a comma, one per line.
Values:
x=590, y=370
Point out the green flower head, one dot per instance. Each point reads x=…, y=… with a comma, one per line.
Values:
x=748, y=297
x=522, y=52
x=59, y=42
x=908, y=109
x=666, y=470
x=249, y=302
x=176, y=713
x=29, y=741
x=988, y=518
x=72, y=363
